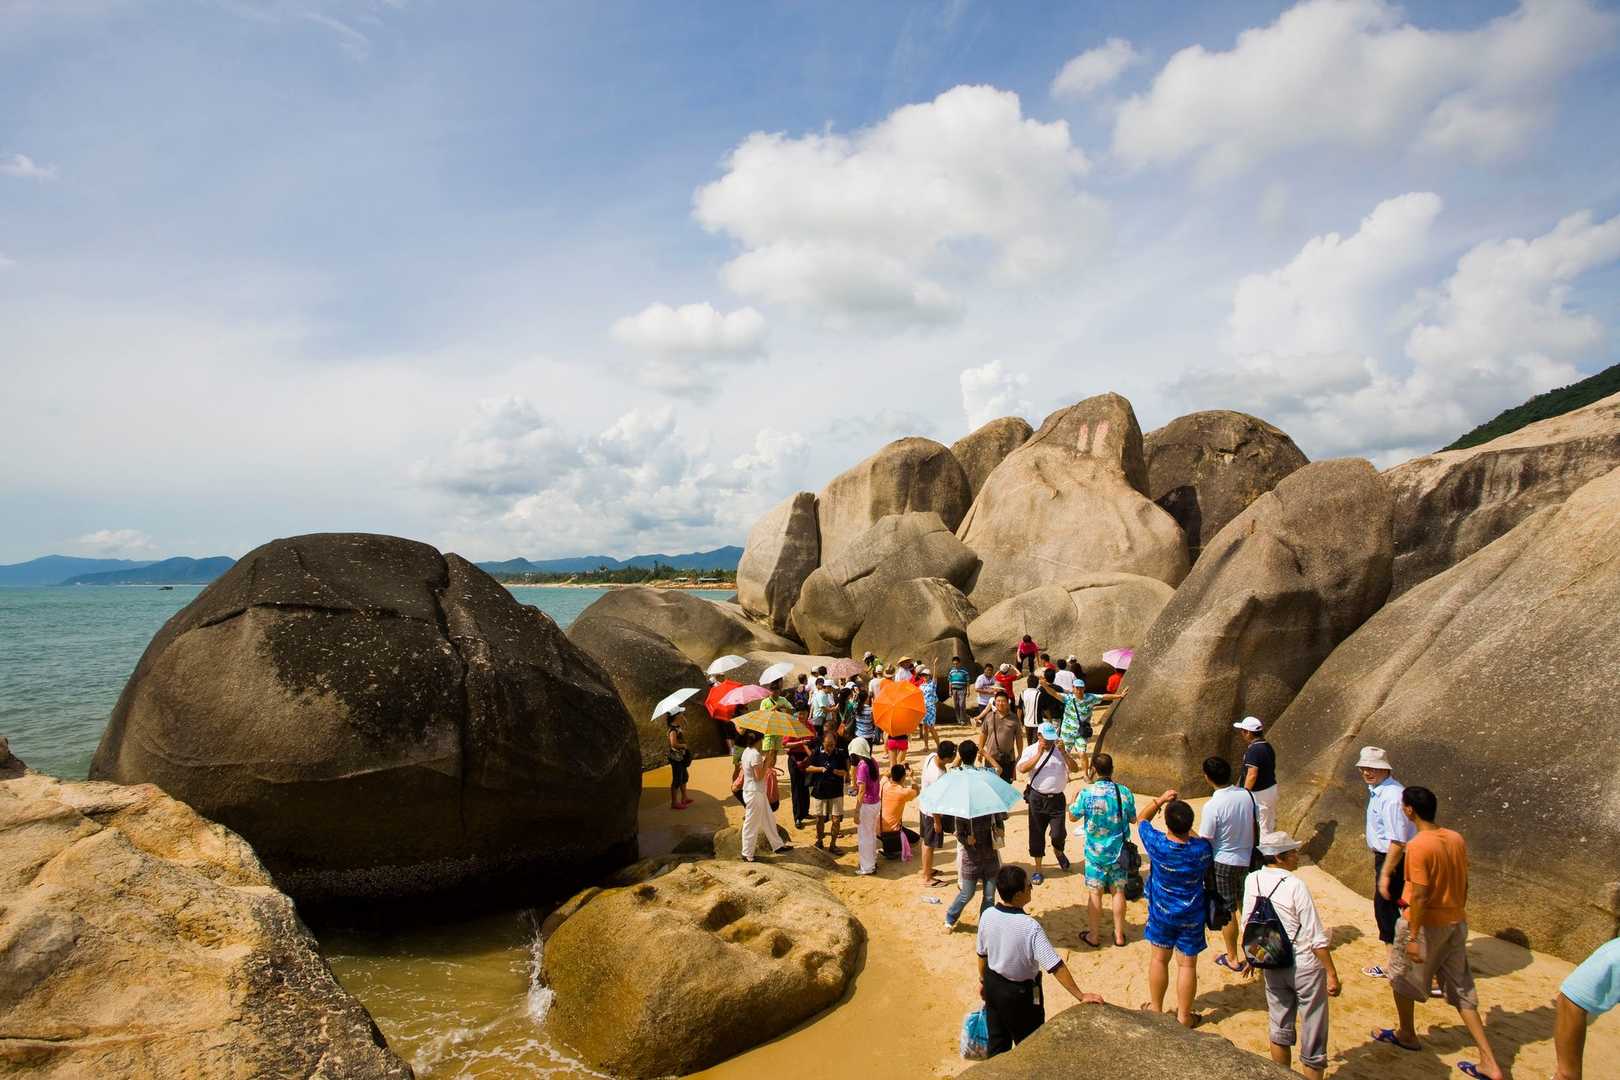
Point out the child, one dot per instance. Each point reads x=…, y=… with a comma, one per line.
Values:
x=680, y=760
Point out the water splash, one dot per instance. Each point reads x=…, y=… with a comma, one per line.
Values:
x=540, y=997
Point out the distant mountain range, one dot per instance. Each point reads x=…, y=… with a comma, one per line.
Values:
x=71, y=570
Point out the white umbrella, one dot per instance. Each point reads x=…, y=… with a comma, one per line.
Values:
x=774, y=672
x=723, y=664
x=673, y=702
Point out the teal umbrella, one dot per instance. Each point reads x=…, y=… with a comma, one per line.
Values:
x=969, y=793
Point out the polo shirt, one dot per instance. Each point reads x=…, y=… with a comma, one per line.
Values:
x=1228, y=822
x=1385, y=821
x=1595, y=985
x=1264, y=759
x=1014, y=946
x=960, y=677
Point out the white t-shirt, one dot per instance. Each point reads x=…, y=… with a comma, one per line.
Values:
x=1294, y=907
x=1052, y=776
x=932, y=770
x=751, y=760
x=1032, y=703
x=985, y=687
x=874, y=684
x=1228, y=823
x=1065, y=679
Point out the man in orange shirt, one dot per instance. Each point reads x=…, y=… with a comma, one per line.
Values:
x=896, y=793
x=1431, y=939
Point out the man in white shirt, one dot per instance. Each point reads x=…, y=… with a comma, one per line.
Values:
x=935, y=827
x=1068, y=673
x=1030, y=703
x=1296, y=995
x=1229, y=823
x=1388, y=832
x=1013, y=952
x=821, y=703
x=985, y=686
x=1047, y=764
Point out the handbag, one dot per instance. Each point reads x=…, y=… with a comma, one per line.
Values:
x=771, y=794
x=1130, y=859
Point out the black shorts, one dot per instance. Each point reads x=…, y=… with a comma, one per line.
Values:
x=936, y=838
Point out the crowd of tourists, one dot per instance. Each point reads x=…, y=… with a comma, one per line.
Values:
x=1230, y=871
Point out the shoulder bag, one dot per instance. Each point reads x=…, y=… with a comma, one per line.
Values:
x=1042, y=802
x=1130, y=859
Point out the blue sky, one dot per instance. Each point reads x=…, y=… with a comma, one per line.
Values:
x=545, y=279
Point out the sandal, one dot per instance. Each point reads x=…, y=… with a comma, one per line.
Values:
x=1387, y=1035
x=1224, y=961
x=1121, y=942
x=1088, y=941
x=1468, y=1068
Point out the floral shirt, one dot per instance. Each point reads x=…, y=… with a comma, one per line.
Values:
x=1105, y=810
x=930, y=695
x=1076, y=713
x=1175, y=885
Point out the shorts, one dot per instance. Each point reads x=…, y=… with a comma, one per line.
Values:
x=827, y=808
x=933, y=839
x=899, y=743
x=1105, y=878
x=1229, y=885
x=1445, y=958
x=1186, y=940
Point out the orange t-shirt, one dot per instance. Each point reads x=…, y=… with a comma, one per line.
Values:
x=1438, y=860
x=895, y=797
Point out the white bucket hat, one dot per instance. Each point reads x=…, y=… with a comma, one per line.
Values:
x=1373, y=757
x=1250, y=723
x=1278, y=843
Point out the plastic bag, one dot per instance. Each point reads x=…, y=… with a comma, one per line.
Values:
x=905, y=846
x=975, y=1042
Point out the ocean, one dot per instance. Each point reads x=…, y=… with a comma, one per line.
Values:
x=65, y=654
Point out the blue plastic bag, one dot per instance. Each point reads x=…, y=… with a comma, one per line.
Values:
x=975, y=1036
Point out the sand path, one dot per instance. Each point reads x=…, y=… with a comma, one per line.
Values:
x=918, y=982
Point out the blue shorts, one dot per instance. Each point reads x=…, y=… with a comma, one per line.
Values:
x=1186, y=940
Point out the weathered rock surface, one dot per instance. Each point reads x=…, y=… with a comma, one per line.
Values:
x=801, y=858
x=981, y=451
x=908, y=475
x=1493, y=684
x=702, y=629
x=758, y=661
x=924, y=618
x=741, y=953
x=837, y=598
x=138, y=939
x=1451, y=504
x=1088, y=1041
x=1273, y=594
x=1071, y=501
x=645, y=669
x=381, y=722
x=1084, y=616
x=783, y=548
x=1206, y=468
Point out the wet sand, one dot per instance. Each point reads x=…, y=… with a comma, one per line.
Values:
x=917, y=981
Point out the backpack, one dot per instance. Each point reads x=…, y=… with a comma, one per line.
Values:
x=1266, y=943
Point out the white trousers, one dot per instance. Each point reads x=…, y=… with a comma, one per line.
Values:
x=758, y=821
x=867, y=838
x=1266, y=802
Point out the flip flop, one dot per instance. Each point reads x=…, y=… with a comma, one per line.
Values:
x=1087, y=940
x=1224, y=961
x=1468, y=1068
x=935, y=883
x=1387, y=1035
x=1120, y=943
x=1375, y=972
x=1037, y=879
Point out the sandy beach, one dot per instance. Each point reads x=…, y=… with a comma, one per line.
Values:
x=917, y=981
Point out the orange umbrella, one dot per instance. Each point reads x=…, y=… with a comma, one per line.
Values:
x=712, y=701
x=899, y=707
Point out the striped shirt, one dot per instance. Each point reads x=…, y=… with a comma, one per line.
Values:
x=1014, y=945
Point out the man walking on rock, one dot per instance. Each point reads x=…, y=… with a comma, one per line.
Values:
x=1388, y=833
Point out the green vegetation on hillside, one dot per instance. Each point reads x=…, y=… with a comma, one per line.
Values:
x=626, y=575
x=1544, y=406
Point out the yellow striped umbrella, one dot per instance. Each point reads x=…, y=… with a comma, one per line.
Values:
x=772, y=722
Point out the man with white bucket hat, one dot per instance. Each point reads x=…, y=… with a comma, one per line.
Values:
x=1388, y=832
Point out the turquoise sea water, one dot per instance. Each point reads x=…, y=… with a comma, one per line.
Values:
x=65, y=654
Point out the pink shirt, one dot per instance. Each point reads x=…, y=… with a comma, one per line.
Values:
x=868, y=774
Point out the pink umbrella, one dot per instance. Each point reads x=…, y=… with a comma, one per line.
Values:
x=845, y=669
x=1119, y=658
x=745, y=695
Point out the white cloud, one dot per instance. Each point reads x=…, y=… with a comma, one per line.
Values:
x=507, y=449
x=114, y=542
x=1310, y=341
x=1356, y=73
x=1094, y=69
x=692, y=328
x=23, y=167
x=876, y=224
x=990, y=391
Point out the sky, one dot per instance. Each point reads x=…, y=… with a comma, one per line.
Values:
x=549, y=279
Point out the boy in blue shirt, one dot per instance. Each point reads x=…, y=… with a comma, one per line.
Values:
x=1175, y=896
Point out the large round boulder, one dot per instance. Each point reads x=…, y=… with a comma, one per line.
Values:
x=381, y=721
x=1206, y=468
x=1275, y=592
x=837, y=598
x=702, y=629
x=783, y=548
x=1083, y=617
x=908, y=475
x=988, y=446
x=697, y=964
x=925, y=618
x=645, y=669
x=1071, y=501
x=138, y=939
x=1493, y=684
x=1451, y=504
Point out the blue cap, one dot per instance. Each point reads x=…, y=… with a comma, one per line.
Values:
x=1049, y=731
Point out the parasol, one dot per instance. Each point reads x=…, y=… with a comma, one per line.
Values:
x=1119, y=658
x=846, y=669
x=773, y=722
x=674, y=702
x=723, y=664
x=712, y=700
x=745, y=695
x=899, y=707
x=968, y=793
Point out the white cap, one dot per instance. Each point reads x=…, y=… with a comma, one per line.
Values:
x=1006, y=667
x=1278, y=843
x=1250, y=723
x=1373, y=757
